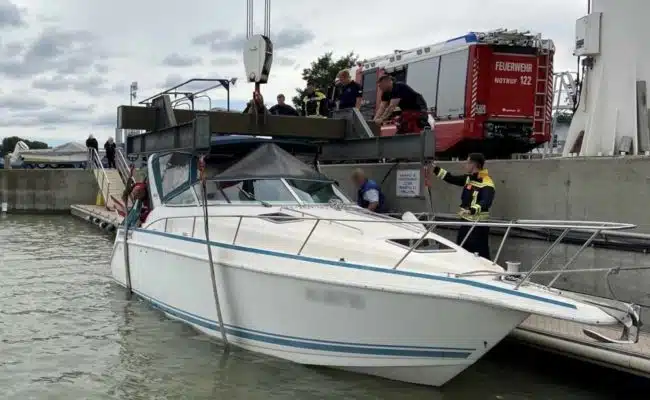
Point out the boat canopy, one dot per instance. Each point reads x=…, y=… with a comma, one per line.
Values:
x=269, y=161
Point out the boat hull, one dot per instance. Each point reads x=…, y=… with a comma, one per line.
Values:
x=408, y=337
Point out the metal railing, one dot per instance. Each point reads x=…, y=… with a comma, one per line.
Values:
x=594, y=227
x=123, y=167
x=97, y=167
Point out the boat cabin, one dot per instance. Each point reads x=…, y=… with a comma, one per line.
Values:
x=243, y=170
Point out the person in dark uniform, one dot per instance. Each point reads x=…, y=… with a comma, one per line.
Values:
x=283, y=108
x=350, y=93
x=475, y=202
x=414, y=117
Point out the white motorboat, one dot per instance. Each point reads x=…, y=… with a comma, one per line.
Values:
x=303, y=274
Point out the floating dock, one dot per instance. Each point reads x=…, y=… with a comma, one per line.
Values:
x=97, y=215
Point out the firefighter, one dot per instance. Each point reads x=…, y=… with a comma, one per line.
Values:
x=475, y=202
x=314, y=102
x=414, y=116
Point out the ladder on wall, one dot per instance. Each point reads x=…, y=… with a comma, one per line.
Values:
x=543, y=91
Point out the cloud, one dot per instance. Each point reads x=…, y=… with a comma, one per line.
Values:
x=225, y=61
x=177, y=60
x=293, y=38
x=211, y=37
x=64, y=52
x=48, y=117
x=10, y=15
x=223, y=41
x=18, y=102
x=91, y=85
x=12, y=49
x=284, y=61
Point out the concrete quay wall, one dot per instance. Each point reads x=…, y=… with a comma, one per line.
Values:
x=605, y=189
x=46, y=189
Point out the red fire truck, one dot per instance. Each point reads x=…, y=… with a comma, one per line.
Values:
x=488, y=92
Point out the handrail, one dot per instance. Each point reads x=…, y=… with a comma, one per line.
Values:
x=594, y=226
x=95, y=163
x=123, y=167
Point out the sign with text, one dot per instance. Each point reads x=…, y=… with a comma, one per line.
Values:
x=407, y=182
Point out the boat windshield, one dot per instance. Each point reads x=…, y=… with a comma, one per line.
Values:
x=269, y=191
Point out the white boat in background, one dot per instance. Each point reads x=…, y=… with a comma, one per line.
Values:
x=305, y=275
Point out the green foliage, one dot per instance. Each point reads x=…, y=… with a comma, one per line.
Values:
x=9, y=143
x=563, y=117
x=323, y=72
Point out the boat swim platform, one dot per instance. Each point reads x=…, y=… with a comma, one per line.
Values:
x=549, y=334
x=566, y=338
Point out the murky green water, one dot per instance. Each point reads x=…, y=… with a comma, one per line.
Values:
x=67, y=332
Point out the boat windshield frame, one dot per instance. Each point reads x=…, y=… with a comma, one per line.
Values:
x=287, y=194
x=181, y=188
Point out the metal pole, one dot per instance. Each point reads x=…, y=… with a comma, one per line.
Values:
x=222, y=325
x=228, y=97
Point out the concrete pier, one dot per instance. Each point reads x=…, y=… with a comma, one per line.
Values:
x=46, y=189
x=598, y=188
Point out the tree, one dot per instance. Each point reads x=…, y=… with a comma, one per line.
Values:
x=323, y=72
x=9, y=143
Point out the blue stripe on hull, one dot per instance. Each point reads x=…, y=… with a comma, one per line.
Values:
x=332, y=263
x=312, y=344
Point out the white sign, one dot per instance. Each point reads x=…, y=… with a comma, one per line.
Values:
x=407, y=183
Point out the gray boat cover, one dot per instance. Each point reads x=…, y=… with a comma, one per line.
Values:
x=269, y=161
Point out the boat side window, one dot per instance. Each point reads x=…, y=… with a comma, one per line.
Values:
x=185, y=198
x=245, y=191
x=174, y=171
x=318, y=192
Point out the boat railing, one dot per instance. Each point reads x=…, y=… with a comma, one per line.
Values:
x=95, y=163
x=594, y=227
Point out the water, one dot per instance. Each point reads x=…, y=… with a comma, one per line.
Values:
x=67, y=332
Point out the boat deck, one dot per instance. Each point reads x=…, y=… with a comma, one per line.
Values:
x=550, y=334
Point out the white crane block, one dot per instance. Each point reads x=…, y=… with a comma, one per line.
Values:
x=258, y=58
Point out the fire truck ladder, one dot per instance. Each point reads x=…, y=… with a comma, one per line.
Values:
x=542, y=88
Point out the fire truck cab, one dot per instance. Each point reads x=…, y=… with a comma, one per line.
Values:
x=488, y=92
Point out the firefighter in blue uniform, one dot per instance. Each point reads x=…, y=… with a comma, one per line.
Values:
x=475, y=202
x=369, y=195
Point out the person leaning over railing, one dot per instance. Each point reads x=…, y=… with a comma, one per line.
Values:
x=475, y=202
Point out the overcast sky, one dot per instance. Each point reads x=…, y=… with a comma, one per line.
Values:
x=66, y=65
